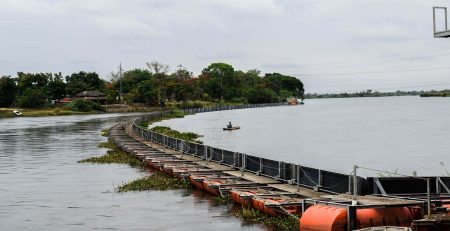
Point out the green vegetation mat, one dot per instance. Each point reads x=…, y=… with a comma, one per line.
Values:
x=114, y=156
x=281, y=222
x=156, y=181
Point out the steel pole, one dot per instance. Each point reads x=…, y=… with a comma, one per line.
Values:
x=428, y=198
x=355, y=183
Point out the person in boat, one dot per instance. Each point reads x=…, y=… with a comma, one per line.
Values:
x=229, y=125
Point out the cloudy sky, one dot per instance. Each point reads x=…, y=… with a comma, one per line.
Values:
x=331, y=45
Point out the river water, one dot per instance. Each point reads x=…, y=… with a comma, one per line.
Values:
x=396, y=134
x=42, y=187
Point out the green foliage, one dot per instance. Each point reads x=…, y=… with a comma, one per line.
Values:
x=83, y=81
x=146, y=92
x=281, y=222
x=8, y=91
x=278, y=82
x=32, y=98
x=29, y=80
x=56, y=87
x=84, y=106
x=105, y=132
x=131, y=78
x=156, y=181
x=114, y=156
x=187, y=136
x=261, y=95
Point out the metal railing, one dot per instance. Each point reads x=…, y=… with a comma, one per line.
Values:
x=296, y=174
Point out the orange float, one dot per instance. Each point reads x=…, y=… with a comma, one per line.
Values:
x=329, y=218
x=207, y=184
x=236, y=197
x=197, y=184
x=260, y=203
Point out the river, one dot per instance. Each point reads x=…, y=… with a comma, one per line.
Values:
x=42, y=187
x=397, y=134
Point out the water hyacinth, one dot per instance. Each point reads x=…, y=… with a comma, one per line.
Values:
x=187, y=136
x=114, y=156
x=280, y=223
x=156, y=181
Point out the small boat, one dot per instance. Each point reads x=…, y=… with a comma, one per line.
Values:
x=232, y=128
x=17, y=113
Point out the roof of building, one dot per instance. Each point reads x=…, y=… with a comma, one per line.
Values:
x=65, y=100
x=90, y=94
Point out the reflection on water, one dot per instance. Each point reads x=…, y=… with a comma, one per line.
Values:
x=43, y=188
x=405, y=134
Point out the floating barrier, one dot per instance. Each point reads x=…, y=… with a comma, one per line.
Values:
x=330, y=218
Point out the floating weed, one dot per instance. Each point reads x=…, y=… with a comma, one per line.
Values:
x=281, y=222
x=108, y=145
x=188, y=136
x=105, y=132
x=222, y=200
x=156, y=181
x=114, y=156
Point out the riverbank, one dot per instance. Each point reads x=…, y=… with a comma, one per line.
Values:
x=112, y=108
x=58, y=111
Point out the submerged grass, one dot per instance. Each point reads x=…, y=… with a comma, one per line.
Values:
x=156, y=181
x=114, y=156
x=281, y=222
x=222, y=200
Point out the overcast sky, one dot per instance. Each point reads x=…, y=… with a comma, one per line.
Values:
x=331, y=45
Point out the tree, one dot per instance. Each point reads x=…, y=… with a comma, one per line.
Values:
x=147, y=92
x=32, y=98
x=8, y=91
x=56, y=87
x=75, y=87
x=277, y=82
x=131, y=78
x=222, y=74
x=29, y=80
x=181, y=74
x=261, y=95
x=157, y=67
x=83, y=81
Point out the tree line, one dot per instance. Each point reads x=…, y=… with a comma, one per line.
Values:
x=152, y=85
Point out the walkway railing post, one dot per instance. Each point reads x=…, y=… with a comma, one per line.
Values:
x=428, y=199
x=355, y=184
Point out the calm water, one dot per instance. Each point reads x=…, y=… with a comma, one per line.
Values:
x=402, y=134
x=43, y=188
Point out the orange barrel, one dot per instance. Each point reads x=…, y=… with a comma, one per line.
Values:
x=259, y=204
x=196, y=183
x=236, y=197
x=208, y=183
x=329, y=218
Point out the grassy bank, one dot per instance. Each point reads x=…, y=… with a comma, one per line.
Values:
x=156, y=181
x=27, y=112
x=281, y=222
x=114, y=156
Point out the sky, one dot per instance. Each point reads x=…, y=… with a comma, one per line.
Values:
x=331, y=45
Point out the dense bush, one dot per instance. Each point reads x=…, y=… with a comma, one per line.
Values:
x=261, y=95
x=32, y=98
x=84, y=106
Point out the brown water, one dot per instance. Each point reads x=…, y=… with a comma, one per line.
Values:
x=42, y=187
